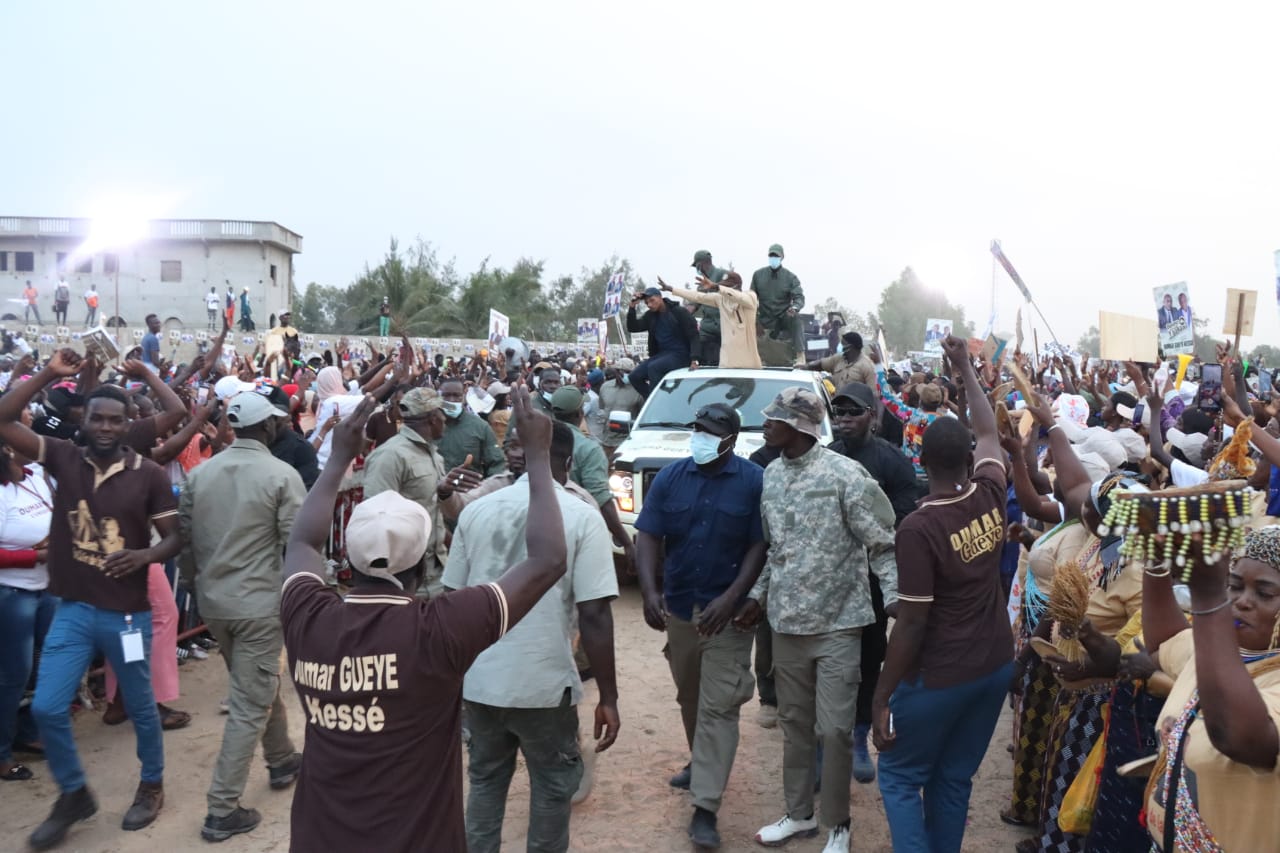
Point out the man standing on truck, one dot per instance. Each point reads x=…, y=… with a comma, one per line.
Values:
x=707, y=313
x=736, y=315
x=781, y=299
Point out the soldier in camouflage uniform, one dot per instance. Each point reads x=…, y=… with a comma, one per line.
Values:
x=781, y=299
x=829, y=526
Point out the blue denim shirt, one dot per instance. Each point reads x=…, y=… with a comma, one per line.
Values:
x=707, y=525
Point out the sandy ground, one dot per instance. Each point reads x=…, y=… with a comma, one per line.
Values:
x=631, y=807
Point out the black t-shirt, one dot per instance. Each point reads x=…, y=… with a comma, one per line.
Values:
x=295, y=450
x=949, y=555
x=380, y=679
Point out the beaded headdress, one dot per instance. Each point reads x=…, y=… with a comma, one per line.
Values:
x=1160, y=526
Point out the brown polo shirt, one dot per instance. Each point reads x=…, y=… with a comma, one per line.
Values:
x=98, y=513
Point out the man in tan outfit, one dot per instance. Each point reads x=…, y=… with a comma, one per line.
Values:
x=737, y=316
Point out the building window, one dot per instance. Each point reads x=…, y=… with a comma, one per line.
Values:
x=24, y=261
x=171, y=270
x=85, y=265
x=110, y=264
x=4, y=261
x=62, y=263
x=273, y=273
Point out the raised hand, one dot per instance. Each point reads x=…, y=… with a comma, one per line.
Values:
x=956, y=349
x=533, y=427
x=65, y=362
x=348, y=435
x=1038, y=406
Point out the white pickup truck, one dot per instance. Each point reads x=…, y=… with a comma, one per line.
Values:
x=660, y=434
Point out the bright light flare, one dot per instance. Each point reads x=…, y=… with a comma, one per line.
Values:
x=116, y=224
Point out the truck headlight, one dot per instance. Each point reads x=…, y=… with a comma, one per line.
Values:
x=622, y=487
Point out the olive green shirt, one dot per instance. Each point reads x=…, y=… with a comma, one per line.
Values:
x=469, y=433
x=235, y=513
x=844, y=371
x=409, y=464
x=779, y=290
x=590, y=468
x=709, y=315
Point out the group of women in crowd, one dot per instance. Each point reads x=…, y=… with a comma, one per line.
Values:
x=1147, y=691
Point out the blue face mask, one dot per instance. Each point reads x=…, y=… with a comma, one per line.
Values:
x=452, y=410
x=704, y=447
x=774, y=262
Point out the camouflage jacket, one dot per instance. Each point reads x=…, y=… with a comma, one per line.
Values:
x=828, y=524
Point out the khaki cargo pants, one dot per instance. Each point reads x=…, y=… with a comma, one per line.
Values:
x=713, y=681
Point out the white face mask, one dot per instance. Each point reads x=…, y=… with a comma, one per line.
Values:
x=774, y=262
x=704, y=447
x=452, y=410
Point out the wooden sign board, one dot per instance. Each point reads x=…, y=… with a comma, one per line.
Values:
x=1234, y=311
x=1126, y=338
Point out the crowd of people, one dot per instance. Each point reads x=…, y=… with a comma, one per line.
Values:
x=428, y=543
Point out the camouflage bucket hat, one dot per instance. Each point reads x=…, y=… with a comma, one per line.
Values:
x=800, y=408
x=420, y=402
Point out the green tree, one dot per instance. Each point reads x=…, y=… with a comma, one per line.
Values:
x=1268, y=355
x=516, y=292
x=1206, y=345
x=1090, y=341
x=906, y=305
x=583, y=296
x=419, y=290
x=863, y=324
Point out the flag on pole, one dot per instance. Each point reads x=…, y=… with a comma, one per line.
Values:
x=1008, y=267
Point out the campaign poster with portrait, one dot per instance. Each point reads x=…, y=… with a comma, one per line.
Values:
x=499, y=327
x=613, y=296
x=588, y=330
x=1174, y=319
x=935, y=329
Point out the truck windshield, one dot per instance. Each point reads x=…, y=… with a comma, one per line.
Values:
x=675, y=401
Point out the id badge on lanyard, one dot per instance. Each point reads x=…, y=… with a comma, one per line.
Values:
x=131, y=642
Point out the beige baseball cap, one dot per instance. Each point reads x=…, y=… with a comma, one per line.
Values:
x=388, y=529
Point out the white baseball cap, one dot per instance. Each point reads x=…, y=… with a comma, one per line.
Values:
x=229, y=386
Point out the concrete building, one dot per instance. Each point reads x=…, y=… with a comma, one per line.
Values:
x=166, y=271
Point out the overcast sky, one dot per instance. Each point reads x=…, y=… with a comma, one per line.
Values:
x=1111, y=147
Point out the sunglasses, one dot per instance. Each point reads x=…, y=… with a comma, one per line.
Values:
x=849, y=411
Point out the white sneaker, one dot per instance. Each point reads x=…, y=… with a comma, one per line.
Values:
x=837, y=841
x=777, y=834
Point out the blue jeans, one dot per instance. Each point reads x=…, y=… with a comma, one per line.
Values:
x=24, y=620
x=651, y=371
x=79, y=632
x=942, y=736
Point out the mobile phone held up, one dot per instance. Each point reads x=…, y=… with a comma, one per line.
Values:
x=1210, y=394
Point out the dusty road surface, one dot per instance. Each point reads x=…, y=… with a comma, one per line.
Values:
x=631, y=807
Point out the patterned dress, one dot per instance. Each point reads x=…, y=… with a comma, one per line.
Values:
x=1035, y=708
